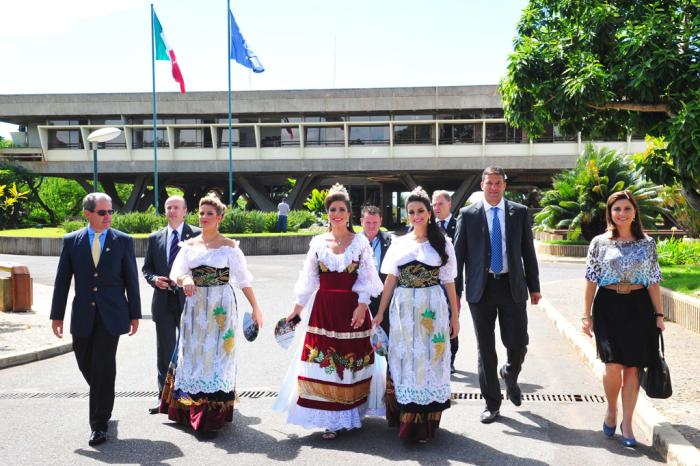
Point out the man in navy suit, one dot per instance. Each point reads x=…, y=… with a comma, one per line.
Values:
x=106, y=303
x=442, y=208
x=168, y=299
x=497, y=268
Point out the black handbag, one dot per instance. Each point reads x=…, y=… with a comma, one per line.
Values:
x=656, y=379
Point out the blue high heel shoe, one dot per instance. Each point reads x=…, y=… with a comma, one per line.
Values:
x=608, y=431
x=630, y=442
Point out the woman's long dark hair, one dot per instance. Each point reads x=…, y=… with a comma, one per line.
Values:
x=636, y=226
x=436, y=237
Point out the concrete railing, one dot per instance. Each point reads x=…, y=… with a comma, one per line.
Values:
x=681, y=309
x=567, y=250
x=250, y=245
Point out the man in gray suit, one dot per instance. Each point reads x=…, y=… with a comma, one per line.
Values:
x=494, y=241
x=168, y=300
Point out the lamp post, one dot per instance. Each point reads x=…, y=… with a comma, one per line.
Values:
x=97, y=136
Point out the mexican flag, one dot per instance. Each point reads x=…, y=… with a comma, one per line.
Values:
x=165, y=52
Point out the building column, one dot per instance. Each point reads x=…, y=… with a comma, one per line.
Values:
x=256, y=193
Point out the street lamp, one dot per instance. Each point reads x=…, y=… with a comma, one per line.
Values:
x=97, y=136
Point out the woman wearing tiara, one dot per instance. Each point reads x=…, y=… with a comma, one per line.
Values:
x=328, y=384
x=199, y=389
x=419, y=347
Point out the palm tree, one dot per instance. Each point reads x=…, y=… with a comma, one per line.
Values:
x=577, y=200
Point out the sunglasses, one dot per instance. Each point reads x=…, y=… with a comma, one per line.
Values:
x=103, y=212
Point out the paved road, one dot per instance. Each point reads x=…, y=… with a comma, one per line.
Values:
x=548, y=428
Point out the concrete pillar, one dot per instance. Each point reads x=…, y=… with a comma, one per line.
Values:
x=256, y=192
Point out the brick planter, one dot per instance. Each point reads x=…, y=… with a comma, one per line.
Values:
x=565, y=250
x=681, y=309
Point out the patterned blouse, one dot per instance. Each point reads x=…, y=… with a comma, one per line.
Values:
x=613, y=261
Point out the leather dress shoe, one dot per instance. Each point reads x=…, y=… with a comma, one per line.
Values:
x=97, y=437
x=488, y=416
x=155, y=410
x=515, y=395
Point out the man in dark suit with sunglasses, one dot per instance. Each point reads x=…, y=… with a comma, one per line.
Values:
x=106, y=303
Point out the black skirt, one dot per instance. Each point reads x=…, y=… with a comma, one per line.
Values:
x=625, y=327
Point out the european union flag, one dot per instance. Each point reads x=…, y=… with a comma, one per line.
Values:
x=240, y=50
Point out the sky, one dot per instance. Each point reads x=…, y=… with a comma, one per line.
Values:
x=87, y=46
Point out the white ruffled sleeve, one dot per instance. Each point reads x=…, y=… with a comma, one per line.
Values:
x=308, y=280
x=239, y=274
x=389, y=265
x=181, y=266
x=368, y=283
x=448, y=272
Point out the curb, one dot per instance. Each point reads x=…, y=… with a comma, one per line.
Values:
x=17, y=358
x=666, y=440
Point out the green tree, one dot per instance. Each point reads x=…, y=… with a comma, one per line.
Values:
x=578, y=197
x=5, y=143
x=599, y=66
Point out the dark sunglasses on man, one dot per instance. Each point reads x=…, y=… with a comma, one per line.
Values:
x=103, y=212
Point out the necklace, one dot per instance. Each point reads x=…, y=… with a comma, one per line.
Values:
x=338, y=241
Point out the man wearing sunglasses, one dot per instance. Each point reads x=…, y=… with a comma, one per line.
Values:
x=106, y=303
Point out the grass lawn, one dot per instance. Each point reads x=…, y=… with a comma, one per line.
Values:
x=681, y=278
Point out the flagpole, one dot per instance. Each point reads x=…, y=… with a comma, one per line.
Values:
x=230, y=131
x=155, y=125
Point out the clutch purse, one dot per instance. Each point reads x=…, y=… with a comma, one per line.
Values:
x=656, y=379
x=284, y=331
x=250, y=327
x=379, y=341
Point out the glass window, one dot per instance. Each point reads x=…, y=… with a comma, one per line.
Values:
x=66, y=122
x=193, y=137
x=65, y=139
x=414, y=134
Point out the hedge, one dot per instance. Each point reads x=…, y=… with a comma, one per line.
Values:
x=235, y=221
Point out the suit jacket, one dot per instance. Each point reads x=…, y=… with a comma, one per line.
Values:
x=473, y=250
x=384, y=243
x=155, y=264
x=451, y=228
x=111, y=288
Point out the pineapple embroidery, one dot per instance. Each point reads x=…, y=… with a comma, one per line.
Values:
x=439, y=342
x=220, y=317
x=427, y=319
x=228, y=341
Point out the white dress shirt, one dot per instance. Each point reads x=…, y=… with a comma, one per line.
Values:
x=502, y=219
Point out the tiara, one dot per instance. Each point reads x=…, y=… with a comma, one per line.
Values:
x=338, y=189
x=419, y=191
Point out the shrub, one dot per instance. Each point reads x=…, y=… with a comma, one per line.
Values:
x=300, y=219
x=69, y=225
x=577, y=200
x=676, y=252
x=138, y=222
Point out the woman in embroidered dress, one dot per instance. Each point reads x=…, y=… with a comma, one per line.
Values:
x=419, y=347
x=328, y=384
x=626, y=311
x=200, y=386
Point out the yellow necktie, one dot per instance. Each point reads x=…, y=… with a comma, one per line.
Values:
x=96, y=248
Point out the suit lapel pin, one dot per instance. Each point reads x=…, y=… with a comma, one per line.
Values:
x=106, y=249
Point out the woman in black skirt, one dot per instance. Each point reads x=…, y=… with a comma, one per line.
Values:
x=626, y=311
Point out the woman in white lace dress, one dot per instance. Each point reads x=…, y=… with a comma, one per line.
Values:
x=416, y=265
x=329, y=382
x=200, y=386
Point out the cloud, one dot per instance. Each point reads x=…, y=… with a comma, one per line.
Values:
x=43, y=18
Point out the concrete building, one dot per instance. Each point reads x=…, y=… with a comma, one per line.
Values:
x=378, y=142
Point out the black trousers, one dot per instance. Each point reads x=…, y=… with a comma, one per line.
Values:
x=454, y=342
x=497, y=302
x=96, y=356
x=167, y=326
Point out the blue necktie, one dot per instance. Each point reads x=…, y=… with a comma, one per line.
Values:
x=173, y=249
x=496, y=246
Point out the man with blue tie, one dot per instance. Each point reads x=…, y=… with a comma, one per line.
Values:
x=168, y=299
x=494, y=243
x=106, y=303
